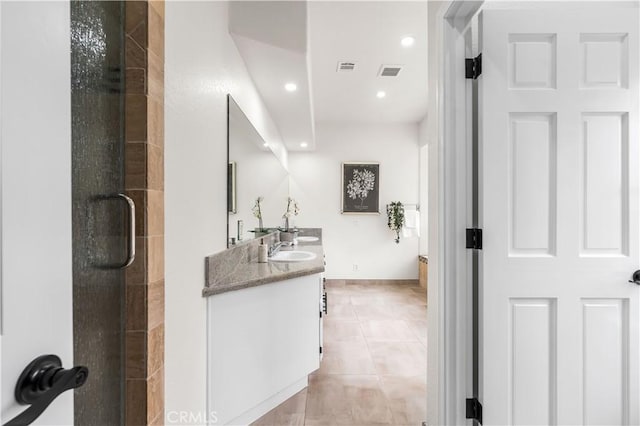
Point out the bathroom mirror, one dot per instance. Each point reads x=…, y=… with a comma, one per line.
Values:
x=253, y=171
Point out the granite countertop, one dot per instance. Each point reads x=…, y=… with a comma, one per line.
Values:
x=237, y=268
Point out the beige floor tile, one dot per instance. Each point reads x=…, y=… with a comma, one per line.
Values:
x=342, y=331
x=266, y=420
x=386, y=331
x=407, y=398
x=410, y=312
x=289, y=413
x=399, y=358
x=369, y=312
x=334, y=284
x=337, y=299
x=346, y=358
x=341, y=313
x=402, y=298
x=373, y=299
x=346, y=400
x=419, y=328
x=364, y=289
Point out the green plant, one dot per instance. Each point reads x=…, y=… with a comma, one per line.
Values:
x=395, y=218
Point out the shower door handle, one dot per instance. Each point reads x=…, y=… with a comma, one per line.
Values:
x=131, y=233
x=42, y=381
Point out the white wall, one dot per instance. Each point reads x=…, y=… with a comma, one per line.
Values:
x=423, y=141
x=363, y=240
x=202, y=66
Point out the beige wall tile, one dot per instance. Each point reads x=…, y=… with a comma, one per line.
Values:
x=155, y=167
x=136, y=17
x=155, y=123
x=155, y=350
x=136, y=402
x=136, y=274
x=135, y=81
x=158, y=421
x=136, y=302
x=155, y=77
x=158, y=6
x=135, y=56
x=156, y=33
x=156, y=258
x=136, y=354
x=155, y=395
x=156, y=304
x=139, y=197
x=135, y=165
x=135, y=118
x=144, y=170
x=155, y=213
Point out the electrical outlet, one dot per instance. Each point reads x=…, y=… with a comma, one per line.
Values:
x=355, y=267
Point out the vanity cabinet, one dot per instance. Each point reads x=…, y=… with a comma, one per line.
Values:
x=263, y=343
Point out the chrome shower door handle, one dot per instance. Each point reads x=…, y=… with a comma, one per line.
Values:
x=131, y=234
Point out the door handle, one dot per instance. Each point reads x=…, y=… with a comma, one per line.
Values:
x=131, y=231
x=635, y=278
x=40, y=383
x=131, y=234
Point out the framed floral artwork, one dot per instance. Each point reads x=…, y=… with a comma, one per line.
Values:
x=360, y=188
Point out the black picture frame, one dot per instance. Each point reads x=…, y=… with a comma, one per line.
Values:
x=360, y=188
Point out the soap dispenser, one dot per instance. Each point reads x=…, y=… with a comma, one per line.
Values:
x=263, y=252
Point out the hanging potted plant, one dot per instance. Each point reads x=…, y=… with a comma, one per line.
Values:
x=395, y=218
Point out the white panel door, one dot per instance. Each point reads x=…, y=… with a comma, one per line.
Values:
x=36, y=196
x=559, y=163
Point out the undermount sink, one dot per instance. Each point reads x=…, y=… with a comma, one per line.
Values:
x=292, y=256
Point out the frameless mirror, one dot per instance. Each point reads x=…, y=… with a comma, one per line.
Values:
x=253, y=171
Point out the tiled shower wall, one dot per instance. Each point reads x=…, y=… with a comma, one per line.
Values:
x=144, y=182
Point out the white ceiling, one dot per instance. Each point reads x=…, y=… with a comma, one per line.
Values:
x=368, y=33
x=271, y=37
x=302, y=42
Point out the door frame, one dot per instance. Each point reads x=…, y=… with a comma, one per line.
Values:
x=450, y=322
x=450, y=359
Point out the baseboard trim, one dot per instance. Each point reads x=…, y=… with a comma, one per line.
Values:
x=411, y=281
x=269, y=404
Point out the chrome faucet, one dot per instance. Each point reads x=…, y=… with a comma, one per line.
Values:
x=274, y=248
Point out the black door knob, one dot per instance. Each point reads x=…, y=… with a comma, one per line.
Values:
x=636, y=278
x=40, y=383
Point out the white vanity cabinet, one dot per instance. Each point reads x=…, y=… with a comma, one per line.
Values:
x=263, y=342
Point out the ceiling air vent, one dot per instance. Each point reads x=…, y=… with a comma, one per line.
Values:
x=346, y=66
x=390, y=70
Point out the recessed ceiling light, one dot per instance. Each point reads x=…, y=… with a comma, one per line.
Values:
x=381, y=94
x=407, y=41
x=303, y=144
x=265, y=144
x=290, y=87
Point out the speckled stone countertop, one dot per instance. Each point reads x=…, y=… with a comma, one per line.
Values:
x=238, y=268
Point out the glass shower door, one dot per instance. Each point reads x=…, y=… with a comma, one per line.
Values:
x=99, y=213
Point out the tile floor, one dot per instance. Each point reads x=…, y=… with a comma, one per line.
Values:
x=374, y=366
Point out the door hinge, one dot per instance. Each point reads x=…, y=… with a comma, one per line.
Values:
x=473, y=67
x=474, y=410
x=320, y=349
x=474, y=238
